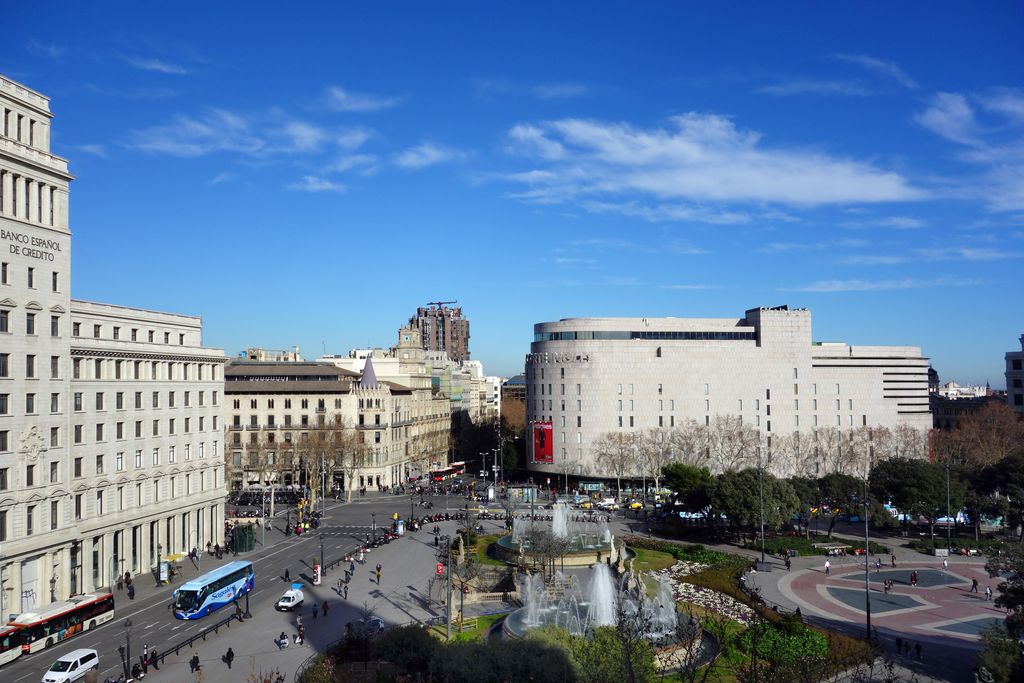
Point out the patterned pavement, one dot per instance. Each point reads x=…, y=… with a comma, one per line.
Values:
x=939, y=607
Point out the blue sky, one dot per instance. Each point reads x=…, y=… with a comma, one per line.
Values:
x=309, y=175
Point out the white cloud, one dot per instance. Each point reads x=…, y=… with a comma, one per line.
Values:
x=340, y=99
x=365, y=163
x=966, y=254
x=829, y=286
x=221, y=178
x=900, y=222
x=949, y=115
x=874, y=260
x=998, y=149
x=311, y=183
x=554, y=91
x=689, y=287
x=541, y=91
x=813, y=88
x=49, y=50
x=426, y=154
x=152, y=64
x=94, y=149
x=302, y=136
x=354, y=138
x=217, y=131
x=880, y=66
x=1007, y=101
x=700, y=158
x=664, y=213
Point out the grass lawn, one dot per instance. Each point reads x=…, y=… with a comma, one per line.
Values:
x=651, y=560
x=480, y=551
x=483, y=625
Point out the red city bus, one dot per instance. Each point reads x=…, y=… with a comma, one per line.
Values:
x=10, y=645
x=58, y=621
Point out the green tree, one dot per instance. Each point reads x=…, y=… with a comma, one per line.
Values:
x=736, y=494
x=841, y=494
x=1010, y=566
x=689, y=485
x=917, y=488
x=808, y=494
x=1001, y=655
x=1010, y=475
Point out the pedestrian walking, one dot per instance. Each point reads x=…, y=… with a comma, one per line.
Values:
x=378, y=573
x=828, y=567
x=154, y=660
x=789, y=563
x=229, y=657
x=352, y=566
x=913, y=578
x=988, y=593
x=120, y=582
x=324, y=608
x=131, y=591
x=315, y=611
x=974, y=585
x=346, y=591
x=878, y=565
x=945, y=565
x=287, y=575
x=194, y=663
x=893, y=558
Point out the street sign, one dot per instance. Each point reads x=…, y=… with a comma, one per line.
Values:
x=440, y=569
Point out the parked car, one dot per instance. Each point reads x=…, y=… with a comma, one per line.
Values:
x=291, y=600
x=72, y=666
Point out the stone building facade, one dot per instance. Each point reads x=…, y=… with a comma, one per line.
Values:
x=589, y=376
x=88, y=469
x=277, y=412
x=1015, y=378
x=443, y=329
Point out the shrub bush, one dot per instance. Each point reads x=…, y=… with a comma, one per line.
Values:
x=805, y=546
x=789, y=643
x=688, y=553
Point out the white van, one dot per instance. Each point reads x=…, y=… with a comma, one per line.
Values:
x=72, y=666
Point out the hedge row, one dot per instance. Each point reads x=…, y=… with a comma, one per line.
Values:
x=688, y=553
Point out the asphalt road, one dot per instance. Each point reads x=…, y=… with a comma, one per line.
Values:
x=153, y=622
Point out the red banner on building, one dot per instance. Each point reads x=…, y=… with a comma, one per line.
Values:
x=543, y=450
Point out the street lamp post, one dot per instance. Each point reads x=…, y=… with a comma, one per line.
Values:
x=447, y=557
x=373, y=517
x=760, y=494
x=126, y=650
x=867, y=569
x=948, y=519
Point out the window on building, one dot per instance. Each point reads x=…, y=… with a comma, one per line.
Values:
x=30, y=323
x=119, y=461
x=78, y=433
x=30, y=475
x=30, y=366
x=54, y=326
x=54, y=472
x=30, y=404
x=5, y=318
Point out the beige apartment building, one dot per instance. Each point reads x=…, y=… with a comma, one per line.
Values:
x=109, y=415
x=588, y=377
x=294, y=424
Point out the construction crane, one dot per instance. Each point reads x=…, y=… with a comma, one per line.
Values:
x=440, y=303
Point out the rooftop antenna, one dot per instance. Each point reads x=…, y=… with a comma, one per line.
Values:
x=440, y=303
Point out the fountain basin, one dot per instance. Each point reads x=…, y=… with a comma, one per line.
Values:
x=586, y=550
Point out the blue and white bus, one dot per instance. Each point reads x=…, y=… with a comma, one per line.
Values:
x=197, y=598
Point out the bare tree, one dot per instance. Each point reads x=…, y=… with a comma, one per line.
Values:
x=828, y=447
x=463, y=573
x=655, y=451
x=733, y=444
x=690, y=443
x=902, y=441
x=615, y=454
x=986, y=436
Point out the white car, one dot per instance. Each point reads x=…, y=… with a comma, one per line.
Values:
x=291, y=600
x=72, y=666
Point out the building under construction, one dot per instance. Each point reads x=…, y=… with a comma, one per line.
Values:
x=443, y=329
